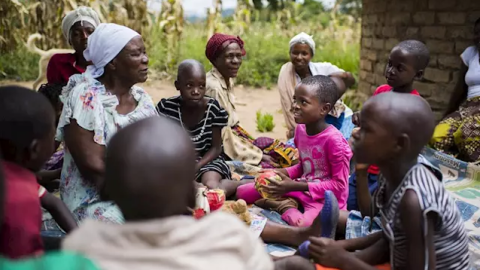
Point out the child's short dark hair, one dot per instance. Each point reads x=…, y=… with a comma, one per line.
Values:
x=418, y=49
x=477, y=21
x=52, y=91
x=325, y=88
x=25, y=115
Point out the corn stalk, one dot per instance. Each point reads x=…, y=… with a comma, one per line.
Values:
x=242, y=17
x=18, y=19
x=170, y=21
x=214, y=18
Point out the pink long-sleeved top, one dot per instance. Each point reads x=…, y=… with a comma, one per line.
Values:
x=324, y=163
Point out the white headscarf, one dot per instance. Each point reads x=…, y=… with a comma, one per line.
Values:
x=80, y=14
x=105, y=44
x=303, y=38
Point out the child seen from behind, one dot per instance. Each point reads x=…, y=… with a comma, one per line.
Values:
x=153, y=187
x=27, y=128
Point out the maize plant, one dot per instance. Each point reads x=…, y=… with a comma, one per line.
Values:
x=214, y=19
x=19, y=19
x=11, y=14
x=170, y=21
x=242, y=17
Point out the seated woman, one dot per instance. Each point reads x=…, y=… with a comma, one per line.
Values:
x=204, y=120
x=225, y=52
x=302, y=50
x=96, y=105
x=77, y=26
x=458, y=134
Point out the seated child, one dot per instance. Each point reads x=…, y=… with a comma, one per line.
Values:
x=53, y=167
x=204, y=119
x=51, y=261
x=423, y=227
x=324, y=157
x=153, y=187
x=27, y=127
x=406, y=63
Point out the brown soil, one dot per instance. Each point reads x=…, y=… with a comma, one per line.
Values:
x=267, y=101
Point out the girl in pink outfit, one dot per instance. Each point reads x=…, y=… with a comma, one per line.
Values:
x=324, y=158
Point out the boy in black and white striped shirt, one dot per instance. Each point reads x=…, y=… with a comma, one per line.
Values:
x=422, y=227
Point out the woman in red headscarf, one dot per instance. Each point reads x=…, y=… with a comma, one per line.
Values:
x=225, y=52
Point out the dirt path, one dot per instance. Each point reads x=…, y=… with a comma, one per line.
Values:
x=268, y=101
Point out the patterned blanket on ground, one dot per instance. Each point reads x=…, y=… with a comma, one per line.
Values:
x=462, y=179
x=260, y=217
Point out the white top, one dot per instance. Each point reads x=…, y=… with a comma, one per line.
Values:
x=217, y=241
x=320, y=68
x=470, y=58
x=325, y=69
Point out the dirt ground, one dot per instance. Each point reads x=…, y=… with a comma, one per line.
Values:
x=267, y=101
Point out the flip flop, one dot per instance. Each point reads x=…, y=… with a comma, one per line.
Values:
x=328, y=218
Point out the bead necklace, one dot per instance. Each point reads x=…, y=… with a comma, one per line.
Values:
x=195, y=138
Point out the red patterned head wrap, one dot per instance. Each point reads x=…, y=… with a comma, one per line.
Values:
x=215, y=45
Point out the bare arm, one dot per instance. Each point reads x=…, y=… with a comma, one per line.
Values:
x=329, y=253
x=361, y=243
x=214, y=151
x=412, y=220
x=87, y=154
x=347, y=78
x=59, y=211
x=45, y=177
x=364, y=199
x=459, y=93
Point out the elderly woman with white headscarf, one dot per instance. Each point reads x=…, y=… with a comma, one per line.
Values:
x=302, y=50
x=77, y=26
x=97, y=104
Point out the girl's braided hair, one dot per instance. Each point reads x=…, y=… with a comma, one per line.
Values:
x=52, y=91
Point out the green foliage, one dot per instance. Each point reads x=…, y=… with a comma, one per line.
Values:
x=267, y=50
x=19, y=64
x=266, y=45
x=264, y=122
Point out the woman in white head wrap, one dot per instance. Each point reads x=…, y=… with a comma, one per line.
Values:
x=97, y=103
x=77, y=26
x=302, y=50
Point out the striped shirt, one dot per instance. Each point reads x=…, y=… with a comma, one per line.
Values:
x=450, y=238
x=215, y=116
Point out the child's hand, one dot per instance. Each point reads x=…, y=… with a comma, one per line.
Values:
x=356, y=119
x=351, y=139
x=290, y=134
x=270, y=160
x=327, y=252
x=361, y=167
x=281, y=187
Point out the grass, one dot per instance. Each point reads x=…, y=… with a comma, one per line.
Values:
x=266, y=46
x=265, y=122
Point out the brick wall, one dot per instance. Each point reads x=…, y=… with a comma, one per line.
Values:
x=446, y=27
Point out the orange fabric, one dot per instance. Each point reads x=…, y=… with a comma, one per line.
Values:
x=380, y=267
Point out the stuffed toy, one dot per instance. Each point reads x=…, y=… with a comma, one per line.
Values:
x=209, y=200
x=238, y=208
